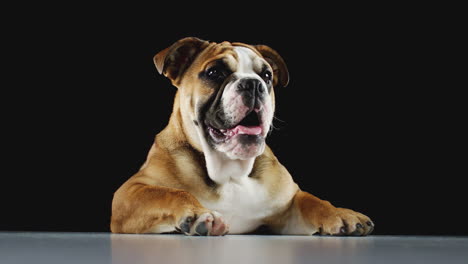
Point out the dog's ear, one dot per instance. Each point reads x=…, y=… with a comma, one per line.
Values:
x=174, y=60
x=280, y=71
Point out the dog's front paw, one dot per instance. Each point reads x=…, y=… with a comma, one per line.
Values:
x=342, y=222
x=206, y=224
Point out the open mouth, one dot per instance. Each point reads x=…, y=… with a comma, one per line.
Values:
x=250, y=125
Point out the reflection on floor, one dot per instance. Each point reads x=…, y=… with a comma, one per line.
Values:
x=52, y=248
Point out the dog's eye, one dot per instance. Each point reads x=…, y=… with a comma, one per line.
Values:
x=266, y=76
x=215, y=73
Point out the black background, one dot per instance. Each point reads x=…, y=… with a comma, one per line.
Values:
x=366, y=121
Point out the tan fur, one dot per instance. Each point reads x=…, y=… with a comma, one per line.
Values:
x=169, y=185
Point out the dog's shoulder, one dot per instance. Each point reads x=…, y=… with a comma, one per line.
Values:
x=268, y=170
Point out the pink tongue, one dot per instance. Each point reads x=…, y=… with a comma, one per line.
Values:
x=255, y=130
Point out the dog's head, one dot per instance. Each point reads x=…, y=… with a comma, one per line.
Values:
x=225, y=92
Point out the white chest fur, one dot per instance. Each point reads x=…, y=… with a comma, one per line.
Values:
x=243, y=203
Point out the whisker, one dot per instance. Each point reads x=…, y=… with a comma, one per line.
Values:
x=276, y=118
x=273, y=127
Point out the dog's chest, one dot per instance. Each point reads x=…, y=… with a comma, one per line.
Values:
x=243, y=204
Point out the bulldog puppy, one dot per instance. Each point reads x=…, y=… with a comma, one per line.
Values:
x=209, y=172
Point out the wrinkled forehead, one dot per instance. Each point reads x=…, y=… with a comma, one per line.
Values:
x=237, y=58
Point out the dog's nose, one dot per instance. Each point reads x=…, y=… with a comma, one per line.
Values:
x=251, y=85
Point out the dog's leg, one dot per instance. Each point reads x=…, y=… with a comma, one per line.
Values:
x=308, y=214
x=141, y=208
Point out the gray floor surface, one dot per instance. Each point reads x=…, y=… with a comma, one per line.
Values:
x=52, y=248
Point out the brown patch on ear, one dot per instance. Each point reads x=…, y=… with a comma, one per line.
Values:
x=174, y=60
x=280, y=71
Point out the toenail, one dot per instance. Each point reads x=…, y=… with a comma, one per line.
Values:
x=201, y=229
x=343, y=230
